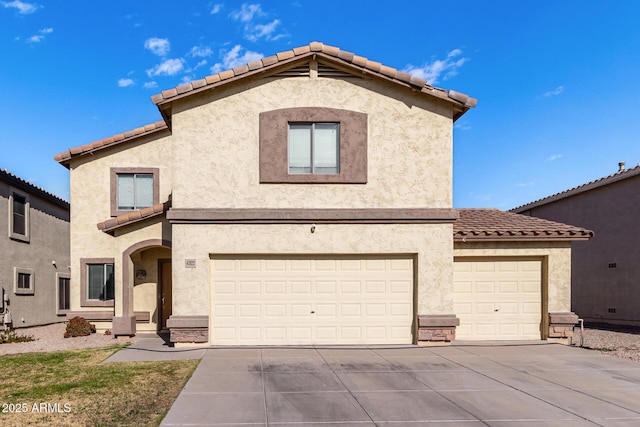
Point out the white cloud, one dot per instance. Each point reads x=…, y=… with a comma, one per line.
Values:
x=37, y=38
x=255, y=32
x=170, y=67
x=462, y=126
x=125, y=82
x=439, y=68
x=158, y=46
x=200, y=51
x=555, y=92
x=233, y=58
x=150, y=85
x=22, y=7
x=553, y=157
x=525, y=184
x=216, y=8
x=247, y=12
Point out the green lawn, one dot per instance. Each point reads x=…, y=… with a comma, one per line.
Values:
x=74, y=388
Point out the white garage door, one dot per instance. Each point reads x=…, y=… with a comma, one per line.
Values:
x=497, y=299
x=275, y=301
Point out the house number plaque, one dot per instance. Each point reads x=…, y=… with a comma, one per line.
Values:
x=190, y=263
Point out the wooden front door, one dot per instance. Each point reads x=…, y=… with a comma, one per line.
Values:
x=164, y=303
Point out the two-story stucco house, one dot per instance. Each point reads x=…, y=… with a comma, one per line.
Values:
x=34, y=271
x=304, y=198
x=605, y=271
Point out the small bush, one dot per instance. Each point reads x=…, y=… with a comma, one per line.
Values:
x=79, y=327
x=10, y=336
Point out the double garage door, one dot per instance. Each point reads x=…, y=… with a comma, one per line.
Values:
x=497, y=299
x=302, y=300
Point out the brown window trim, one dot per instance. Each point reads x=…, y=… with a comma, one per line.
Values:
x=274, y=130
x=84, y=301
x=26, y=237
x=114, y=186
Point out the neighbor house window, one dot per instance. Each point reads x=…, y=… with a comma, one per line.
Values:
x=19, y=215
x=97, y=279
x=133, y=189
x=314, y=148
x=23, y=281
x=63, y=294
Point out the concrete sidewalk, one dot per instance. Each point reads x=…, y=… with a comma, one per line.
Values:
x=152, y=348
x=467, y=384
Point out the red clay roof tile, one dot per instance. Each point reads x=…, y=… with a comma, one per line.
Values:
x=494, y=224
x=112, y=224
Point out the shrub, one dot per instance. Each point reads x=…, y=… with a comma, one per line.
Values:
x=79, y=327
x=10, y=336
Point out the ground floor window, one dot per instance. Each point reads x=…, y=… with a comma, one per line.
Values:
x=24, y=281
x=97, y=282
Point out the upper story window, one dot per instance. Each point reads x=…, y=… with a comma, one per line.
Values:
x=313, y=145
x=133, y=189
x=19, y=215
x=314, y=148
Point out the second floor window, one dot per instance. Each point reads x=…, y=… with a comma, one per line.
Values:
x=135, y=191
x=314, y=148
x=19, y=214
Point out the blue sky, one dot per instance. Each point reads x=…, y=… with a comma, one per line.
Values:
x=557, y=82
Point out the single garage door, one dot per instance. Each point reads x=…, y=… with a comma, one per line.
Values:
x=497, y=299
x=296, y=300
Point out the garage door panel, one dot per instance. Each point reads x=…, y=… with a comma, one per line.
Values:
x=498, y=299
x=306, y=301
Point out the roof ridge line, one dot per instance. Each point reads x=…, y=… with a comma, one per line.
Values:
x=32, y=186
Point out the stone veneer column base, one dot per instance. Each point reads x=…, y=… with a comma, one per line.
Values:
x=561, y=326
x=437, y=328
x=188, y=329
x=123, y=325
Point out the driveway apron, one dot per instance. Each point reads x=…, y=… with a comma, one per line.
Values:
x=466, y=384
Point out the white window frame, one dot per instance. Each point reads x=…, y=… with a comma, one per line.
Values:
x=18, y=271
x=24, y=237
x=312, y=126
x=59, y=276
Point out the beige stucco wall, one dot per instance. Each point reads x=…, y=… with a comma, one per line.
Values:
x=558, y=261
x=216, y=142
x=90, y=201
x=431, y=244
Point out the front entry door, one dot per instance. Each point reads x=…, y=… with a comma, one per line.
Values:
x=165, y=303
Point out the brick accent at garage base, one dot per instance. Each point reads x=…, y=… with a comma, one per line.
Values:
x=437, y=327
x=561, y=324
x=188, y=329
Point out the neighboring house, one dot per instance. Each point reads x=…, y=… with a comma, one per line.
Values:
x=34, y=272
x=605, y=272
x=304, y=198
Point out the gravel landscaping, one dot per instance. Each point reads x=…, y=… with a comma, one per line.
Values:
x=623, y=343
x=51, y=338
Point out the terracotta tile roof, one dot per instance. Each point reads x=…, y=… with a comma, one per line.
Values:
x=65, y=156
x=16, y=181
x=618, y=176
x=112, y=224
x=494, y=224
x=362, y=64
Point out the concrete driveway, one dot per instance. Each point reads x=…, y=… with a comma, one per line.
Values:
x=466, y=384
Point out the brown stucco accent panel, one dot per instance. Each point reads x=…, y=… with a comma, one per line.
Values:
x=319, y=216
x=114, y=187
x=84, y=302
x=274, y=167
